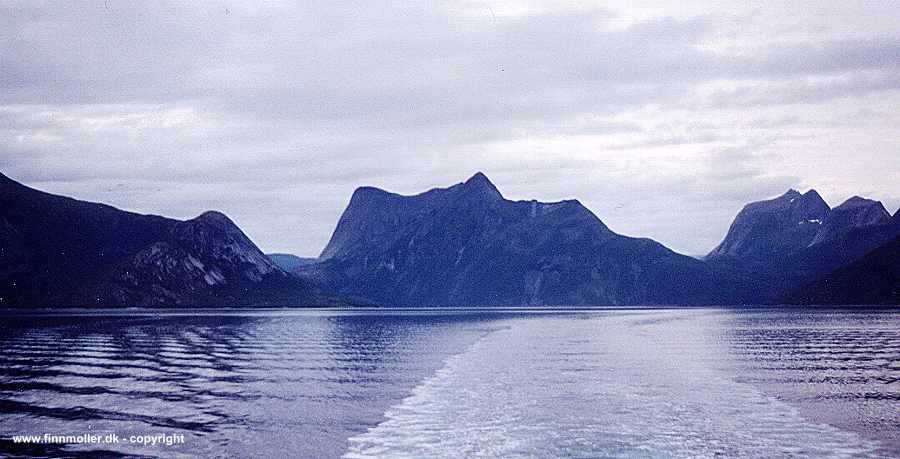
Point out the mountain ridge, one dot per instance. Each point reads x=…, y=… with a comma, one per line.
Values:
x=768, y=228
x=467, y=245
x=788, y=241
x=792, y=222
x=58, y=251
x=872, y=279
x=461, y=245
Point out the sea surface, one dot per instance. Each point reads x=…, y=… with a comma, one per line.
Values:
x=456, y=383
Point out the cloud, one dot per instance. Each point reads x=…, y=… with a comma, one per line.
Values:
x=665, y=120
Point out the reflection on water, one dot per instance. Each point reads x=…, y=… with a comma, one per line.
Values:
x=363, y=384
x=840, y=368
x=236, y=386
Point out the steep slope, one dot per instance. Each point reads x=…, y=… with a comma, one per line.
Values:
x=840, y=249
x=58, y=251
x=467, y=245
x=780, y=244
x=873, y=279
x=855, y=212
x=769, y=229
x=767, y=232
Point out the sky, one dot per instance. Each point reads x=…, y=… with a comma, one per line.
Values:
x=662, y=117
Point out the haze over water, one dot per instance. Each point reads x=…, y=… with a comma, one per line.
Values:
x=645, y=382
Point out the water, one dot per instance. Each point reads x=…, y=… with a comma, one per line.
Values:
x=599, y=383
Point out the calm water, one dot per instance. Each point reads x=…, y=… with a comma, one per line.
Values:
x=619, y=383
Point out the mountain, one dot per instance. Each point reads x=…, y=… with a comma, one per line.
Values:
x=796, y=238
x=873, y=279
x=770, y=229
x=58, y=251
x=467, y=245
x=840, y=248
x=289, y=262
x=767, y=231
x=855, y=212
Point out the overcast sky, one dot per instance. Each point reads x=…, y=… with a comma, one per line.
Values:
x=662, y=117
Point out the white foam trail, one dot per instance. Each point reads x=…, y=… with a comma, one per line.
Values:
x=616, y=385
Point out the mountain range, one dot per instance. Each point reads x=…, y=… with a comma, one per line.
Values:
x=468, y=246
x=464, y=245
x=58, y=252
x=782, y=244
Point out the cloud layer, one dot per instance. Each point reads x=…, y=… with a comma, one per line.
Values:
x=662, y=117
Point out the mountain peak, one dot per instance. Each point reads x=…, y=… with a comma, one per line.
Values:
x=481, y=184
x=855, y=212
x=367, y=190
x=812, y=194
x=858, y=201
x=214, y=217
x=859, y=204
x=814, y=202
x=212, y=214
x=764, y=229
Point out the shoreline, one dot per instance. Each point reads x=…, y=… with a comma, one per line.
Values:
x=423, y=310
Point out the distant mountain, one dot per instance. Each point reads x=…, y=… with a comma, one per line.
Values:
x=290, y=262
x=855, y=212
x=466, y=245
x=839, y=249
x=57, y=251
x=873, y=279
x=796, y=238
x=769, y=229
x=791, y=223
